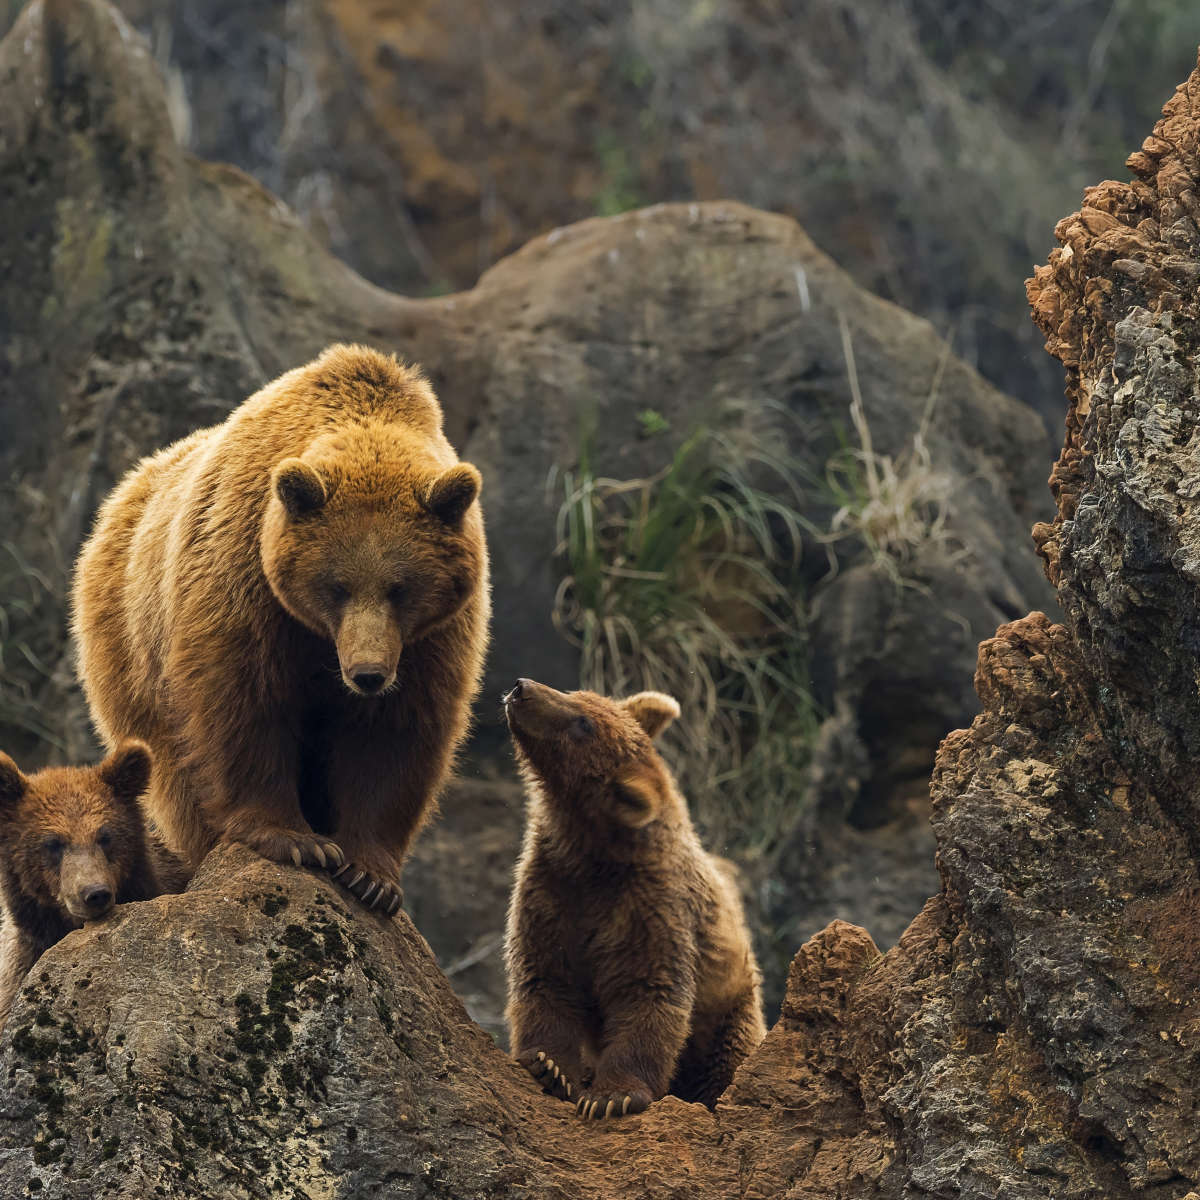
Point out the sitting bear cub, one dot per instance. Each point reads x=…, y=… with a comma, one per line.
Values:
x=74, y=844
x=629, y=963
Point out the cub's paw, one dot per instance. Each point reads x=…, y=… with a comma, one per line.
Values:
x=374, y=893
x=599, y=1102
x=548, y=1073
x=288, y=846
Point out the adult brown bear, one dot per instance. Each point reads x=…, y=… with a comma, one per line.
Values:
x=291, y=608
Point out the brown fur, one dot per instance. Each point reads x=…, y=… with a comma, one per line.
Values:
x=74, y=844
x=629, y=962
x=241, y=583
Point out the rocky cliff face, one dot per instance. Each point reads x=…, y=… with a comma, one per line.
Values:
x=144, y=292
x=421, y=141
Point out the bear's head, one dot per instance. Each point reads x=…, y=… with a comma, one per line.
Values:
x=372, y=546
x=73, y=836
x=593, y=756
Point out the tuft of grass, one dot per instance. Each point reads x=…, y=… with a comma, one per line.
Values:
x=687, y=582
x=896, y=507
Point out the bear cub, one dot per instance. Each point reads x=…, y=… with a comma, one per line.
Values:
x=629, y=963
x=74, y=844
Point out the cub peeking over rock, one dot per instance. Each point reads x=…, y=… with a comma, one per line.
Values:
x=73, y=843
x=629, y=963
x=291, y=608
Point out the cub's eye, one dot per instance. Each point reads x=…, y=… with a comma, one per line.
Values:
x=338, y=593
x=582, y=727
x=54, y=846
x=397, y=594
x=104, y=839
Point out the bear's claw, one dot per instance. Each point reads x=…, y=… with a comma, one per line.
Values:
x=548, y=1073
x=612, y=1105
x=374, y=893
x=283, y=845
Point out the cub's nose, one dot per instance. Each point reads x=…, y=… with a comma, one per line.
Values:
x=97, y=899
x=369, y=678
x=518, y=691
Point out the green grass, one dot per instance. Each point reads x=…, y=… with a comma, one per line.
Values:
x=687, y=582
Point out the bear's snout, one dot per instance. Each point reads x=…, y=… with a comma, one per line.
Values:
x=97, y=899
x=87, y=887
x=369, y=678
x=536, y=710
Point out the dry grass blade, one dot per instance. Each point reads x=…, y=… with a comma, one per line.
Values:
x=897, y=507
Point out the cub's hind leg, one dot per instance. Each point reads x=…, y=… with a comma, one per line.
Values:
x=716, y=1048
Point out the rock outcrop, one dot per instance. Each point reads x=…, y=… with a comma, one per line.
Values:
x=144, y=292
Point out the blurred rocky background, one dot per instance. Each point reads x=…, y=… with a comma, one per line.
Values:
x=715, y=461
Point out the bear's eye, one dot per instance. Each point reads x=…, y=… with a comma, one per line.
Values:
x=397, y=594
x=582, y=727
x=339, y=593
x=53, y=846
x=104, y=839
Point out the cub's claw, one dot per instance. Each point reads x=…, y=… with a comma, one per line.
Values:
x=547, y=1072
x=611, y=1105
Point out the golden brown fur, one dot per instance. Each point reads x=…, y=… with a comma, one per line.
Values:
x=629, y=962
x=292, y=609
x=74, y=844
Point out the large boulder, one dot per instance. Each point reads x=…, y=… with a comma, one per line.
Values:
x=263, y=1036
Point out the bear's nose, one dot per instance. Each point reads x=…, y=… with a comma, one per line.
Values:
x=97, y=899
x=369, y=678
x=519, y=689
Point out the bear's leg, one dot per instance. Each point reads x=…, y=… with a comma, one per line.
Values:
x=550, y=1036
x=382, y=781
x=173, y=802
x=716, y=1049
x=16, y=958
x=646, y=1007
x=255, y=798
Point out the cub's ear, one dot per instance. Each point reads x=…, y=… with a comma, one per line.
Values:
x=12, y=783
x=653, y=711
x=127, y=769
x=453, y=492
x=300, y=488
x=637, y=793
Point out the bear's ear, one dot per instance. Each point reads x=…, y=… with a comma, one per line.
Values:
x=12, y=783
x=637, y=793
x=453, y=492
x=653, y=711
x=126, y=771
x=300, y=488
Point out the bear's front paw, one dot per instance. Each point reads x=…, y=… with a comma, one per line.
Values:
x=289, y=846
x=600, y=1100
x=374, y=893
x=550, y=1074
